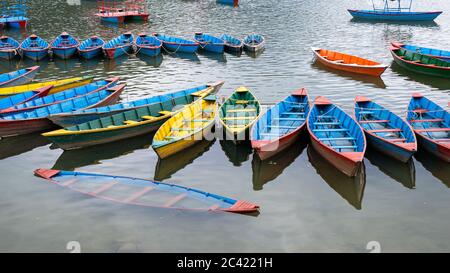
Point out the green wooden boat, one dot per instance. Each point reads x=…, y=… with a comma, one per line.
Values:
x=238, y=113
x=420, y=63
x=125, y=124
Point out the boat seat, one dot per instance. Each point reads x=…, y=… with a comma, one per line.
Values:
x=281, y=127
x=384, y=130
x=241, y=101
x=427, y=120
x=420, y=110
x=195, y=120
x=433, y=130
x=327, y=123
x=336, y=138
x=338, y=61
x=239, y=118
x=293, y=113
x=344, y=147
x=165, y=113
x=129, y=122
x=365, y=113
x=396, y=139
x=148, y=117
x=331, y=130
x=241, y=110
x=375, y=121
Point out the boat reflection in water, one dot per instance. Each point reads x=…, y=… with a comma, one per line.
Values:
x=434, y=82
x=221, y=58
x=166, y=167
x=437, y=167
x=375, y=81
x=154, y=61
x=265, y=171
x=113, y=64
x=236, y=153
x=182, y=55
x=255, y=54
x=12, y=146
x=350, y=188
x=66, y=64
x=72, y=159
x=404, y=173
x=91, y=63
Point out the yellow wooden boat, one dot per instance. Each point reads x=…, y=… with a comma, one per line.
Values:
x=58, y=85
x=189, y=126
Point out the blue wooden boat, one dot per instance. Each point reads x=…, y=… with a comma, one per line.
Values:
x=35, y=48
x=176, y=44
x=209, y=43
x=336, y=136
x=60, y=96
x=35, y=120
x=254, y=43
x=119, y=46
x=432, y=52
x=81, y=116
x=431, y=123
x=148, y=45
x=18, y=77
x=9, y=48
x=233, y=3
x=91, y=47
x=142, y=192
x=281, y=125
x=64, y=46
x=385, y=131
x=20, y=98
x=232, y=44
x=14, y=21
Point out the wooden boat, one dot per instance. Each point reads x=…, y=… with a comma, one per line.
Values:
x=432, y=52
x=36, y=120
x=58, y=85
x=209, y=42
x=18, y=77
x=186, y=128
x=254, y=43
x=9, y=48
x=394, y=15
x=148, y=45
x=431, y=123
x=82, y=116
x=91, y=47
x=281, y=125
x=16, y=22
x=119, y=46
x=348, y=63
x=233, y=3
x=175, y=44
x=385, y=131
x=35, y=48
x=238, y=113
x=20, y=98
x=143, y=192
x=336, y=136
x=60, y=97
x=64, y=46
x=123, y=125
x=232, y=45
x=119, y=12
x=420, y=63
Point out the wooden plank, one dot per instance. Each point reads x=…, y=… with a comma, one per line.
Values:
x=103, y=188
x=138, y=194
x=336, y=138
x=433, y=130
x=239, y=118
x=375, y=121
x=384, y=130
x=241, y=110
x=427, y=120
x=174, y=200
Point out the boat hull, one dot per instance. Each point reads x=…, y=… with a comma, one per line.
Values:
x=422, y=69
x=394, y=16
x=8, y=55
x=266, y=151
x=212, y=48
x=64, y=53
x=180, y=48
x=112, y=53
x=149, y=51
x=35, y=55
x=390, y=149
x=441, y=151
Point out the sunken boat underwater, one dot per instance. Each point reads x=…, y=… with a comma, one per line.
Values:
x=135, y=122
x=142, y=192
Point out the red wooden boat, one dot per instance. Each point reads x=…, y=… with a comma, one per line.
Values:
x=336, y=136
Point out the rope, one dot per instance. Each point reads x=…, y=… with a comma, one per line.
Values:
x=172, y=52
x=332, y=108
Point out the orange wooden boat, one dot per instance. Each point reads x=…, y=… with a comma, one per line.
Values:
x=349, y=63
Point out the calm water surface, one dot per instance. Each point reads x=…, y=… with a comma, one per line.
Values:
x=306, y=204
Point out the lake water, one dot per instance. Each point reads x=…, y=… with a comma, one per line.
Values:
x=306, y=205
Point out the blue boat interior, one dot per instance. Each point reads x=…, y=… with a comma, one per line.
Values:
x=432, y=120
x=13, y=100
x=61, y=96
x=8, y=43
x=91, y=43
x=378, y=120
x=122, y=40
x=34, y=43
x=428, y=51
x=64, y=40
x=12, y=75
x=62, y=107
x=145, y=40
x=230, y=40
x=171, y=39
x=336, y=129
x=207, y=39
x=253, y=39
x=282, y=119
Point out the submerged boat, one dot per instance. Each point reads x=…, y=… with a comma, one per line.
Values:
x=57, y=98
x=134, y=122
x=348, y=63
x=58, y=85
x=82, y=116
x=431, y=123
x=186, y=128
x=143, y=192
x=209, y=42
x=432, y=52
x=238, y=113
x=119, y=46
x=281, y=125
x=420, y=63
x=36, y=120
x=18, y=77
x=385, y=131
x=91, y=47
x=9, y=48
x=232, y=44
x=35, y=48
x=148, y=45
x=64, y=46
x=175, y=44
x=254, y=43
x=20, y=98
x=336, y=136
